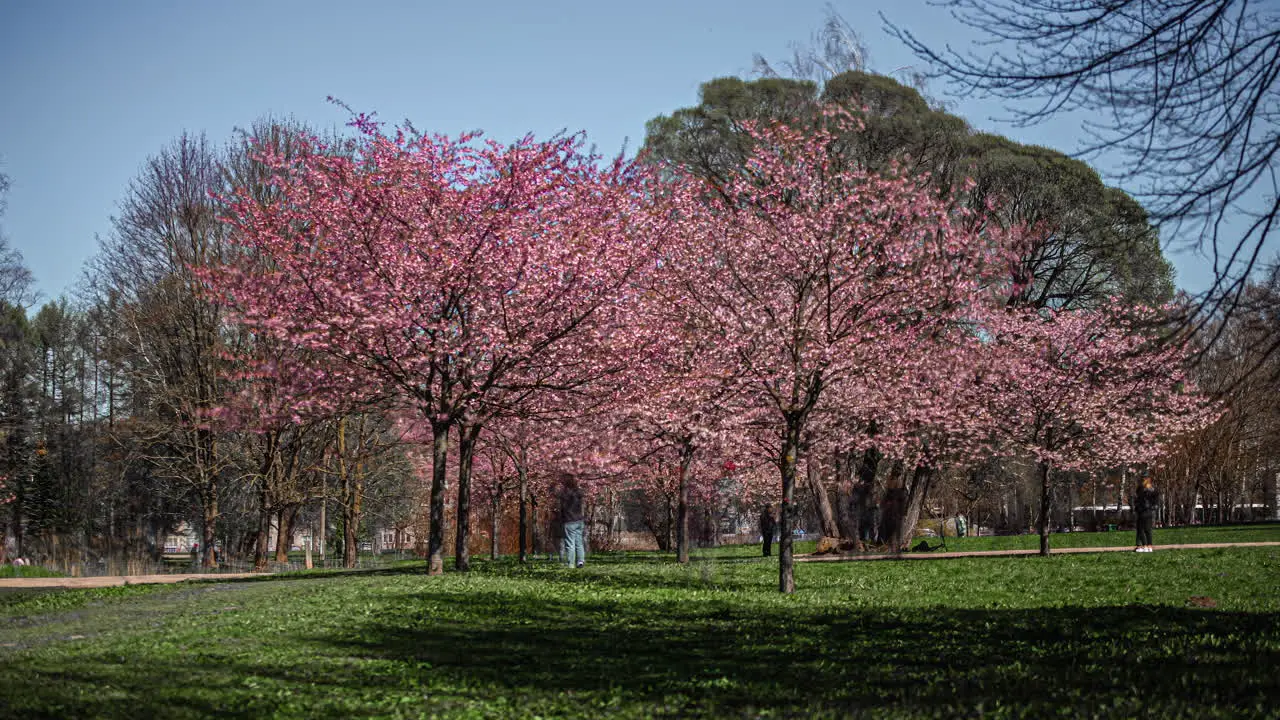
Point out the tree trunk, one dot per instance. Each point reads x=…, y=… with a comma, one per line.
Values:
x=788, y=461
x=495, y=522
x=209, y=523
x=1044, y=507
x=845, y=521
x=861, y=494
x=466, y=451
x=682, y=504
x=439, y=481
x=206, y=463
x=352, y=492
x=826, y=514
x=282, y=548
x=350, y=523
x=920, y=482
x=535, y=529
x=285, y=526
x=264, y=527
x=524, y=513
x=19, y=538
x=324, y=518
x=893, y=506
x=668, y=530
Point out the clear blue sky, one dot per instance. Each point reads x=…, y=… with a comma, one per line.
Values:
x=91, y=89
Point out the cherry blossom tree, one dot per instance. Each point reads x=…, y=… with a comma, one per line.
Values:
x=927, y=414
x=1078, y=390
x=815, y=275
x=462, y=276
x=682, y=405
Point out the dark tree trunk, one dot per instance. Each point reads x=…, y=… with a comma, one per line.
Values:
x=787, y=463
x=826, y=514
x=284, y=531
x=350, y=546
x=1044, y=507
x=495, y=515
x=921, y=481
x=845, y=519
x=668, y=531
x=466, y=451
x=282, y=548
x=264, y=527
x=19, y=538
x=524, y=513
x=682, y=503
x=863, y=492
x=352, y=474
x=892, y=504
x=209, y=524
x=439, y=482
x=535, y=530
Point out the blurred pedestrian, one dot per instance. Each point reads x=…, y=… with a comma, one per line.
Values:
x=572, y=519
x=768, y=528
x=1144, y=503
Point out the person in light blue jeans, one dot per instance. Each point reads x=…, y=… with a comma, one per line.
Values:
x=571, y=518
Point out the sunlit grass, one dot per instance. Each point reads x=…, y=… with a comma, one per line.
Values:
x=636, y=635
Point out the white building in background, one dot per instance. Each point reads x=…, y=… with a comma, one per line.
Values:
x=393, y=539
x=184, y=538
x=181, y=540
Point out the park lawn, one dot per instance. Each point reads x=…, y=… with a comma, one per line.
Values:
x=30, y=571
x=1190, y=535
x=1106, y=635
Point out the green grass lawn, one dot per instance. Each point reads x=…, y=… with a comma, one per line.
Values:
x=31, y=571
x=1260, y=532
x=634, y=635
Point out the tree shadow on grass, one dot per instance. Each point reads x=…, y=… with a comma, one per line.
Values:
x=496, y=654
x=720, y=660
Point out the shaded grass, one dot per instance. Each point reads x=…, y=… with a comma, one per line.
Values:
x=1107, y=635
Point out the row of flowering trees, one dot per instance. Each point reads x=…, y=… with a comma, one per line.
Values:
x=635, y=322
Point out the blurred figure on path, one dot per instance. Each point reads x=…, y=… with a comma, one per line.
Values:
x=571, y=518
x=1144, y=503
x=768, y=528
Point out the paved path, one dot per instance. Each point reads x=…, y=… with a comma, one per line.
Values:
x=940, y=555
x=114, y=580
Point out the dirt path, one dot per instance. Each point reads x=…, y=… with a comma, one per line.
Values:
x=114, y=580
x=939, y=555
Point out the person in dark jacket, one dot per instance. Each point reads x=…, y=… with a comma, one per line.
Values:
x=571, y=519
x=1144, y=503
x=768, y=528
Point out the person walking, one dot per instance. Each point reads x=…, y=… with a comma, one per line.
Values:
x=768, y=528
x=571, y=520
x=1144, y=502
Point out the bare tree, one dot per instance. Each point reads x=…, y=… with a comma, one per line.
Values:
x=15, y=277
x=169, y=336
x=833, y=49
x=1184, y=91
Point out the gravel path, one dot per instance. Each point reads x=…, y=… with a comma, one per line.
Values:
x=940, y=555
